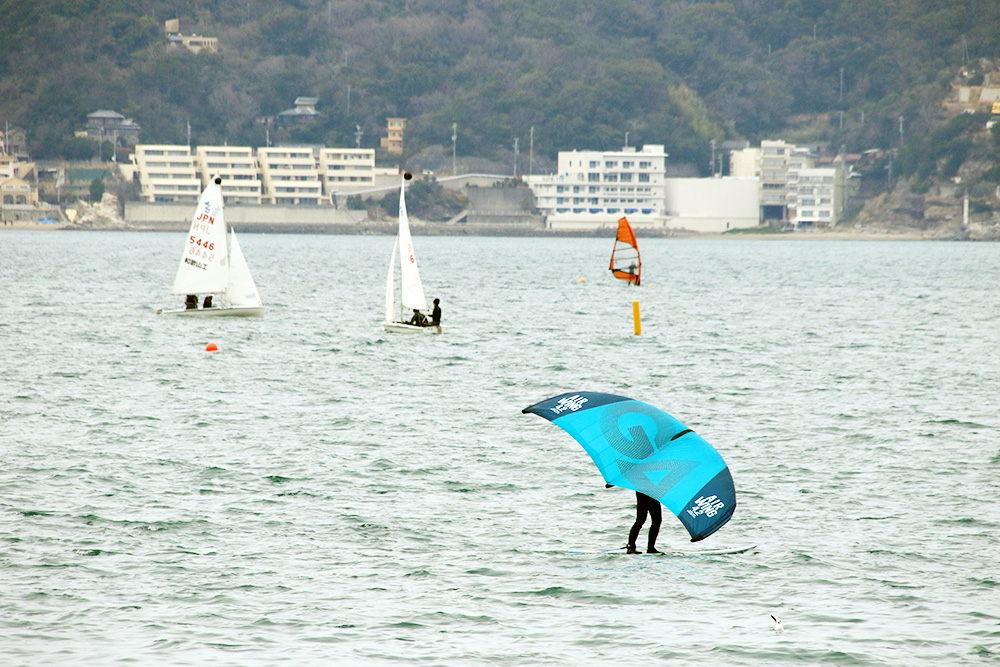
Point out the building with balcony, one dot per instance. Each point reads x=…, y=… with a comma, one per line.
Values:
x=14, y=141
x=237, y=166
x=290, y=175
x=816, y=198
x=104, y=125
x=17, y=192
x=193, y=43
x=594, y=188
x=344, y=171
x=395, y=129
x=167, y=173
x=777, y=164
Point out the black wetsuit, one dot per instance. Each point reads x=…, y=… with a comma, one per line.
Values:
x=645, y=505
x=436, y=316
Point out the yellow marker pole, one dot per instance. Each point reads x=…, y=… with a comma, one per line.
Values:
x=635, y=317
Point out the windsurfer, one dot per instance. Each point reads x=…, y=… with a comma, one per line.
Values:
x=645, y=505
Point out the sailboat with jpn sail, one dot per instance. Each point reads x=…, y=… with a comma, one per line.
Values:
x=411, y=290
x=625, y=261
x=213, y=265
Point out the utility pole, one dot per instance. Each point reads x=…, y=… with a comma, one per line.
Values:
x=357, y=135
x=454, y=142
x=531, y=150
x=841, y=84
x=901, y=131
x=515, y=157
x=711, y=164
x=626, y=140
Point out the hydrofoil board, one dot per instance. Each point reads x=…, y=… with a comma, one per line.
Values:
x=675, y=553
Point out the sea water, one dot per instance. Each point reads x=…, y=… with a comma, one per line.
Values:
x=320, y=492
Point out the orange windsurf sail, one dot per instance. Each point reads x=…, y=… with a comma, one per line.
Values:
x=625, y=262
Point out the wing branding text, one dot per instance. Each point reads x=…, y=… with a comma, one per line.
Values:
x=572, y=403
x=707, y=505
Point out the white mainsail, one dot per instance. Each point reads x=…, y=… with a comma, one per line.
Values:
x=390, y=285
x=204, y=264
x=241, y=291
x=411, y=291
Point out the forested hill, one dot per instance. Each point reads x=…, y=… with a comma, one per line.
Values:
x=582, y=73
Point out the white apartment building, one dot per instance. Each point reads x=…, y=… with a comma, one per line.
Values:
x=777, y=164
x=290, y=175
x=344, y=171
x=817, y=197
x=237, y=167
x=167, y=173
x=594, y=188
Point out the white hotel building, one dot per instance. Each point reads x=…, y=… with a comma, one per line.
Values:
x=290, y=175
x=346, y=170
x=594, y=188
x=167, y=173
x=236, y=166
x=273, y=175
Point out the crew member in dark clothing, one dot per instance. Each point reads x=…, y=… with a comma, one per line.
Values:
x=191, y=301
x=436, y=314
x=418, y=319
x=645, y=505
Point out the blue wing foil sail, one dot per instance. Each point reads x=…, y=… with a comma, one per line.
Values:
x=640, y=447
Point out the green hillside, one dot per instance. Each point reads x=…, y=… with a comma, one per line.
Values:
x=582, y=73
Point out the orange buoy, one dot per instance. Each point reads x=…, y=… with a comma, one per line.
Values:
x=211, y=347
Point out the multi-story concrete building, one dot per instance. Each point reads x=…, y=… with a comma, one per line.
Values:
x=237, y=167
x=395, y=129
x=780, y=167
x=346, y=170
x=167, y=173
x=816, y=198
x=290, y=175
x=595, y=188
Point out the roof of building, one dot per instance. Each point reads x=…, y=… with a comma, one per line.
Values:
x=104, y=113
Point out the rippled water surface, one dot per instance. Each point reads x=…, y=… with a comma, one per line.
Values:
x=320, y=492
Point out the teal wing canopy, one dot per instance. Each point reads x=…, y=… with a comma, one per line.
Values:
x=640, y=447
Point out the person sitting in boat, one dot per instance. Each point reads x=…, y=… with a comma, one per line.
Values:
x=191, y=302
x=207, y=303
x=435, y=315
x=418, y=319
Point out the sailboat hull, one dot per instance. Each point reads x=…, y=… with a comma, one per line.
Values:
x=234, y=311
x=402, y=327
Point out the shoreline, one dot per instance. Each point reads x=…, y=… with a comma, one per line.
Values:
x=463, y=229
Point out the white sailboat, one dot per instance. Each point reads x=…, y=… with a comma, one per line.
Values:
x=411, y=290
x=213, y=267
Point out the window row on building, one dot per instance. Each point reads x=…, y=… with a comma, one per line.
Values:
x=272, y=175
x=590, y=184
x=793, y=187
